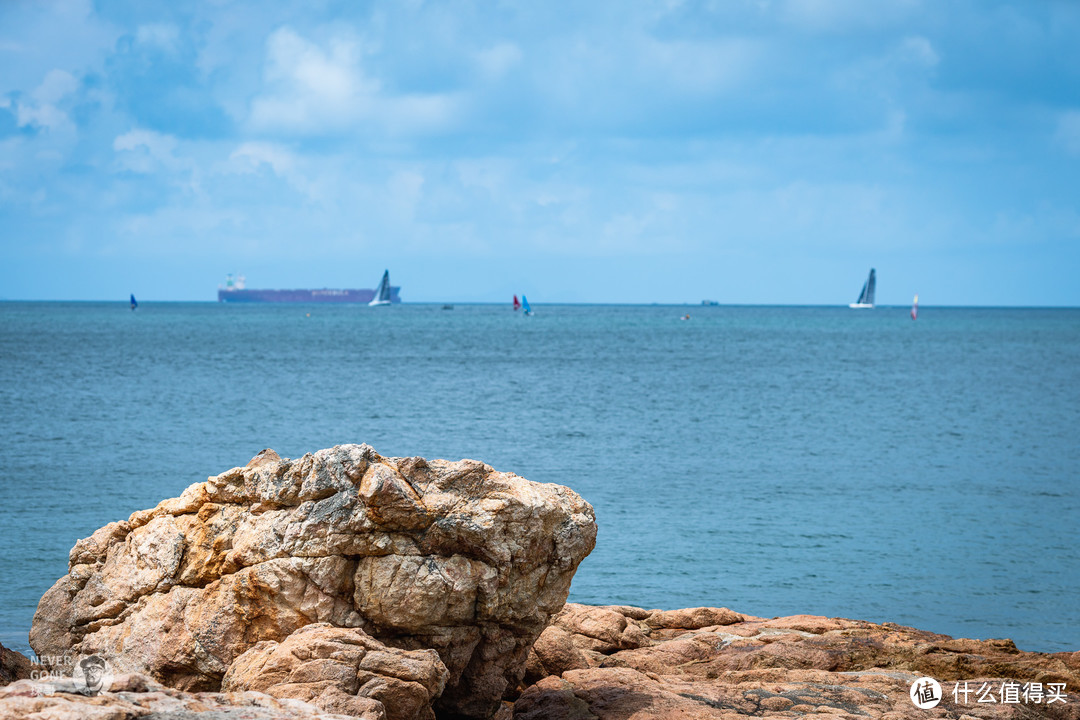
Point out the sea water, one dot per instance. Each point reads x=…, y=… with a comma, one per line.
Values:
x=775, y=460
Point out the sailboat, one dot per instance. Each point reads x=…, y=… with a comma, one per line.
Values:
x=517, y=304
x=382, y=293
x=525, y=304
x=915, y=307
x=866, y=297
x=133, y=303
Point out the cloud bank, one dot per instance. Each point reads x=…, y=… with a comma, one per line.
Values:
x=637, y=152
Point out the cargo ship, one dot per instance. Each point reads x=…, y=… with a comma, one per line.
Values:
x=234, y=290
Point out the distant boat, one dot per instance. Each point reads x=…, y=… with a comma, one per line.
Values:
x=517, y=304
x=866, y=297
x=709, y=303
x=382, y=293
x=133, y=303
x=915, y=307
x=525, y=304
x=447, y=307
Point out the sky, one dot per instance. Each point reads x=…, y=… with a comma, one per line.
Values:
x=637, y=151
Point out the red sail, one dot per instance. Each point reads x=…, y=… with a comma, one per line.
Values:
x=517, y=303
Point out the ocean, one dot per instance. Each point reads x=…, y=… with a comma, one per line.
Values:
x=774, y=460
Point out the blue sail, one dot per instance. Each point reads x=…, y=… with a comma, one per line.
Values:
x=133, y=303
x=525, y=305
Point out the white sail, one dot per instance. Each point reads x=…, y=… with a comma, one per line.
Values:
x=382, y=293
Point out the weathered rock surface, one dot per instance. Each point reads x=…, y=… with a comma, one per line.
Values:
x=13, y=666
x=137, y=696
x=342, y=670
x=641, y=664
x=451, y=556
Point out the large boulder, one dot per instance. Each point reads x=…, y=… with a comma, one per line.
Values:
x=451, y=556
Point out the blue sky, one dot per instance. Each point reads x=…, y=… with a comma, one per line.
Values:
x=747, y=151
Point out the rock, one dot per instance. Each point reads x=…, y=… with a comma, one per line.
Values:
x=25, y=700
x=556, y=652
x=783, y=667
x=342, y=670
x=451, y=556
x=601, y=629
x=693, y=618
x=14, y=666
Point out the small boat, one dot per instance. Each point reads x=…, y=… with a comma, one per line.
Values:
x=133, y=303
x=525, y=305
x=709, y=303
x=866, y=297
x=447, y=307
x=915, y=307
x=517, y=304
x=382, y=293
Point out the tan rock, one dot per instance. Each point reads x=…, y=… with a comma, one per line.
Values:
x=693, y=618
x=141, y=697
x=451, y=556
x=326, y=665
x=601, y=628
x=783, y=667
x=556, y=652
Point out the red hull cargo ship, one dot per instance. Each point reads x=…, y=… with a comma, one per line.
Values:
x=234, y=291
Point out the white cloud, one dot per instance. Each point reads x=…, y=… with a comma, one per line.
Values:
x=43, y=116
x=55, y=87
x=41, y=109
x=310, y=88
x=316, y=89
x=700, y=67
x=147, y=151
x=252, y=157
x=194, y=224
x=41, y=37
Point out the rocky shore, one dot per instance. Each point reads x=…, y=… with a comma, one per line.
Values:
x=625, y=662
x=346, y=584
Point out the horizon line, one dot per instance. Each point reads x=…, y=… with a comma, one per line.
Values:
x=697, y=304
